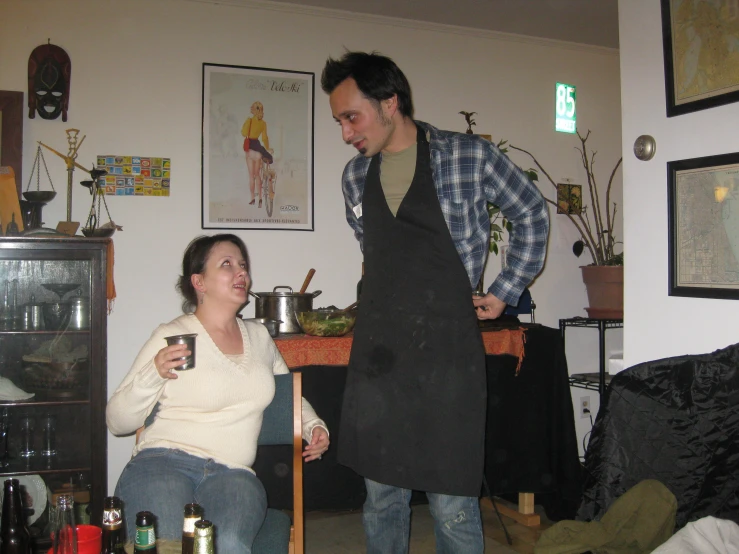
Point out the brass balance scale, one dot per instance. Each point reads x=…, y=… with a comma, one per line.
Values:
x=93, y=227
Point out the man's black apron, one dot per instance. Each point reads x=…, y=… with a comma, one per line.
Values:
x=414, y=405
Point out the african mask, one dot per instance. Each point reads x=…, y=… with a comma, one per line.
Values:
x=49, y=73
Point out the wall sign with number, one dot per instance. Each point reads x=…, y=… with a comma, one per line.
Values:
x=565, y=108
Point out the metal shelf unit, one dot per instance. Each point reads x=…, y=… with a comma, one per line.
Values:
x=599, y=380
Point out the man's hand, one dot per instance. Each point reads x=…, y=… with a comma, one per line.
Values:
x=488, y=306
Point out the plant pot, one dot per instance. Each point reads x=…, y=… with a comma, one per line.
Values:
x=605, y=287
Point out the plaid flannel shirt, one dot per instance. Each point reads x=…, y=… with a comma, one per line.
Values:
x=468, y=172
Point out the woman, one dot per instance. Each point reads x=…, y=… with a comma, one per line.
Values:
x=251, y=130
x=203, y=439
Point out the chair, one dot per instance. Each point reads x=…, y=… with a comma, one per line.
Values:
x=282, y=425
x=525, y=306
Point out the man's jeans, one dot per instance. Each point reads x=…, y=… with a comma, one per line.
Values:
x=386, y=518
x=162, y=481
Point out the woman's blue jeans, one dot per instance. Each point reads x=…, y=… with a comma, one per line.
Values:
x=386, y=518
x=162, y=481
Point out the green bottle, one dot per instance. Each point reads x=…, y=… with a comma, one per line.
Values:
x=146, y=540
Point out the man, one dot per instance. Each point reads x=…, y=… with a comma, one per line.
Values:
x=414, y=405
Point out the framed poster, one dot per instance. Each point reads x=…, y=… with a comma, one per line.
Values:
x=703, y=199
x=701, y=64
x=257, y=133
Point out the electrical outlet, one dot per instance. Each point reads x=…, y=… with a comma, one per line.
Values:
x=585, y=410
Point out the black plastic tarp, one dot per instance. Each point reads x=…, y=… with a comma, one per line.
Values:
x=675, y=420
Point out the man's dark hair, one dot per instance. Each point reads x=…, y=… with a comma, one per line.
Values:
x=377, y=77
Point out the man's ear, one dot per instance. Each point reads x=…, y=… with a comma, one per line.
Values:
x=390, y=105
x=197, y=282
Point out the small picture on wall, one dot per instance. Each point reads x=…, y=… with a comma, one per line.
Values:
x=569, y=199
x=257, y=170
x=135, y=175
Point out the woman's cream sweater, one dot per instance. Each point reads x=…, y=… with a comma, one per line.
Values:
x=211, y=411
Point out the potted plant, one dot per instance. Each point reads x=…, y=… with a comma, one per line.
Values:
x=594, y=221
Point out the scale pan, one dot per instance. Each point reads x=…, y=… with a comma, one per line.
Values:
x=104, y=232
x=39, y=195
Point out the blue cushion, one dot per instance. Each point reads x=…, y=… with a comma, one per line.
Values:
x=274, y=535
x=277, y=426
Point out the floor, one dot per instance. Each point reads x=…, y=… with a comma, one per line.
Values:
x=342, y=533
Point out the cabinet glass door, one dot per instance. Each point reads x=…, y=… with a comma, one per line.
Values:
x=53, y=374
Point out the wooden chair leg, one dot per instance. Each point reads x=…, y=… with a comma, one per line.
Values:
x=299, y=543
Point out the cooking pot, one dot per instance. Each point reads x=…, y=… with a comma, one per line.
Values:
x=283, y=306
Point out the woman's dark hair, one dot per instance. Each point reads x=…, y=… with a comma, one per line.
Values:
x=194, y=260
x=377, y=77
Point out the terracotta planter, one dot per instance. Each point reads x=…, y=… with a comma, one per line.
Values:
x=605, y=287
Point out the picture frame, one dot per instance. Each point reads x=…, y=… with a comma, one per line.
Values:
x=703, y=221
x=569, y=199
x=249, y=115
x=698, y=76
x=11, y=134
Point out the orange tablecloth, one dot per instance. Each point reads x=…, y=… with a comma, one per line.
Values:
x=304, y=350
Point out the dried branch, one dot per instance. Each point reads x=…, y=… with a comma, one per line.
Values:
x=596, y=235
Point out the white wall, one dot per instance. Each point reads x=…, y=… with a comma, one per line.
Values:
x=136, y=89
x=658, y=325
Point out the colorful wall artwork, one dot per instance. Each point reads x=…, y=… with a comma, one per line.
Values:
x=135, y=175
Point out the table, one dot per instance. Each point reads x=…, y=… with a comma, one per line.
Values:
x=530, y=435
x=305, y=350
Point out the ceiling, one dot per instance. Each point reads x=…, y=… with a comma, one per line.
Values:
x=593, y=22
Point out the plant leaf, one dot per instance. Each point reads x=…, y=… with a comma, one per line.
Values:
x=578, y=248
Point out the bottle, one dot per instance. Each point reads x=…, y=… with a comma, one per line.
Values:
x=114, y=534
x=146, y=540
x=203, y=537
x=193, y=514
x=82, y=501
x=64, y=530
x=14, y=533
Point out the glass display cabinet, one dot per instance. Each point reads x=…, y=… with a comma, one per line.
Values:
x=53, y=374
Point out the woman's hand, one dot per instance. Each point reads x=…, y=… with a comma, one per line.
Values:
x=318, y=445
x=168, y=358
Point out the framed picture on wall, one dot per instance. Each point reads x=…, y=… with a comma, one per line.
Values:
x=257, y=149
x=703, y=199
x=701, y=62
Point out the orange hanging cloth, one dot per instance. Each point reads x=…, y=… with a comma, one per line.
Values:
x=110, y=285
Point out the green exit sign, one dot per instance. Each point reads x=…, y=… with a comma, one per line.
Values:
x=565, y=114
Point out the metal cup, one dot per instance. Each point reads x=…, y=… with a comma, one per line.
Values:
x=33, y=317
x=189, y=341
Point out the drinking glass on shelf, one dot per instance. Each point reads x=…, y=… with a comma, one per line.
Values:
x=48, y=442
x=27, y=426
x=4, y=430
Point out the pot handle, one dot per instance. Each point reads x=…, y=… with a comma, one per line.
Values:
x=255, y=295
x=283, y=287
x=316, y=293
